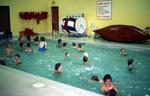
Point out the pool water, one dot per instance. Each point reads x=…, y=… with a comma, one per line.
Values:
x=103, y=59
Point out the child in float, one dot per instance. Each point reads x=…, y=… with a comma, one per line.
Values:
x=42, y=44
x=122, y=52
x=58, y=68
x=130, y=65
x=59, y=43
x=17, y=59
x=9, y=51
x=28, y=49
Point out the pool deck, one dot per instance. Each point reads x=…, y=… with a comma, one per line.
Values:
x=19, y=83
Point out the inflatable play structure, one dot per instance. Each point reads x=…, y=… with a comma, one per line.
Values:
x=75, y=26
x=27, y=32
x=122, y=33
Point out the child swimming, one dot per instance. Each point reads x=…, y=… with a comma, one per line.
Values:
x=9, y=51
x=17, y=59
x=67, y=54
x=130, y=65
x=42, y=44
x=79, y=48
x=122, y=52
x=65, y=45
x=74, y=45
x=36, y=40
x=59, y=43
x=58, y=68
x=85, y=57
x=107, y=86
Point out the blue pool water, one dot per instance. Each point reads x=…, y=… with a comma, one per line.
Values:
x=103, y=58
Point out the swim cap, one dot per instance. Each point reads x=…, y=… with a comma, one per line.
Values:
x=85, y=54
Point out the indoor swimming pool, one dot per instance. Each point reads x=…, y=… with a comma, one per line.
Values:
x=103, y=59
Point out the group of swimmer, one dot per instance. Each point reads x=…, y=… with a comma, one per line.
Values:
x=107, y=88
x=21, y=42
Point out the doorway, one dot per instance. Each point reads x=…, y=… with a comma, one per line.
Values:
x=5, y=18
x=55, y=19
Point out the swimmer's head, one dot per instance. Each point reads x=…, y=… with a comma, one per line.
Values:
x=57, y=66
x=107, y=78
x=67, y=54
x=122, y=49
x=59, y=41
x=85, y=59
x=79, y=45
x=73, y=44
x=85, y=54
x=42, y=38
x=17, y=55
x=130, y=61
x=95, y=78
x=64, y=44
x=28, y=45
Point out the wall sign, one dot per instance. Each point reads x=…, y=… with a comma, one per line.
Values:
x=104, y=9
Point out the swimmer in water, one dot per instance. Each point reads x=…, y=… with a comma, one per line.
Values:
x=74, y=45
x=130, y=65
x=65, y=45
x=85, y=58
x=67, y=54
x=122, y=52
x=36, y=40
x=59, y=43
x=17, y=59
x=9, y=51
x=108, y=89
x=42, y=44
x=58, y=68
x=107, y=86
x=79, y=48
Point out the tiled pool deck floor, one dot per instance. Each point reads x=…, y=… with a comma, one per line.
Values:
x=18, y=83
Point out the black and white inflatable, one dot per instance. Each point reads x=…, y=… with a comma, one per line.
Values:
x=75, y=26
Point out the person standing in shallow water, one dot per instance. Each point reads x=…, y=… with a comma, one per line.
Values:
x=9, y=51
x=58, y=68
x=107, y=86
x=123, y=52
x=130, y=65
x=17, y=59
x=42, y=44
x=108, y=89
x=59, y=43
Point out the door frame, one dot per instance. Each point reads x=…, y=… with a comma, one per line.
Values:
x=54, y=22
x=8, y=28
